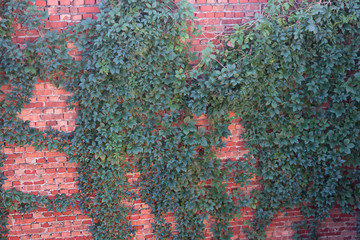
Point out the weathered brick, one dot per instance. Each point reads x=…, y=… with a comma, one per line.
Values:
x=52, y=2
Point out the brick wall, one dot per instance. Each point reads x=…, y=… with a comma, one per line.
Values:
x=45, y=173
x=49, y=173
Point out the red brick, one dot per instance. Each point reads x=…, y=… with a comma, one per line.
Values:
x=76, y=17
x=218, y=8
x=89, y=9
x=45, y=225
x=29, y=171
x=71, y=170
x=63, y=17
x=53, y=154
x=51, y=219
x=50, y=170
x=52, y=2
x=65, y=2
x=78, y=2
x=231, y=21
x=40, y=3
x=54, y=17
x=206, y=8
x=55, y=24
x=34, y=105
x=55, y=104
x=24, y=221
x=34, y=154
x=66, y=218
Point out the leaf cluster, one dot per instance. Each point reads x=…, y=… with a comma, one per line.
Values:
x=292, y=76
x=133, y=97
x=20, y=68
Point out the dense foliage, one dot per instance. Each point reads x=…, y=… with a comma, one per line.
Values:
x=130, y=88
x=291, y=75
x=133, y=116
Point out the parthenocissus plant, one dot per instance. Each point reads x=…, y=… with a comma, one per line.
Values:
x=291, y=76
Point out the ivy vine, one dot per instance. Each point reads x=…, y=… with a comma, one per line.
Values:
x=133, y=116
x=291, y=76
x=20, y=68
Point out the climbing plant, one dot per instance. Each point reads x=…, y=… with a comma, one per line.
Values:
x=20, y=68
x=130, y=89
x=133, y=117
x=292, y=76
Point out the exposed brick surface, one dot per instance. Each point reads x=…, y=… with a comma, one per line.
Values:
x=50, y=173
